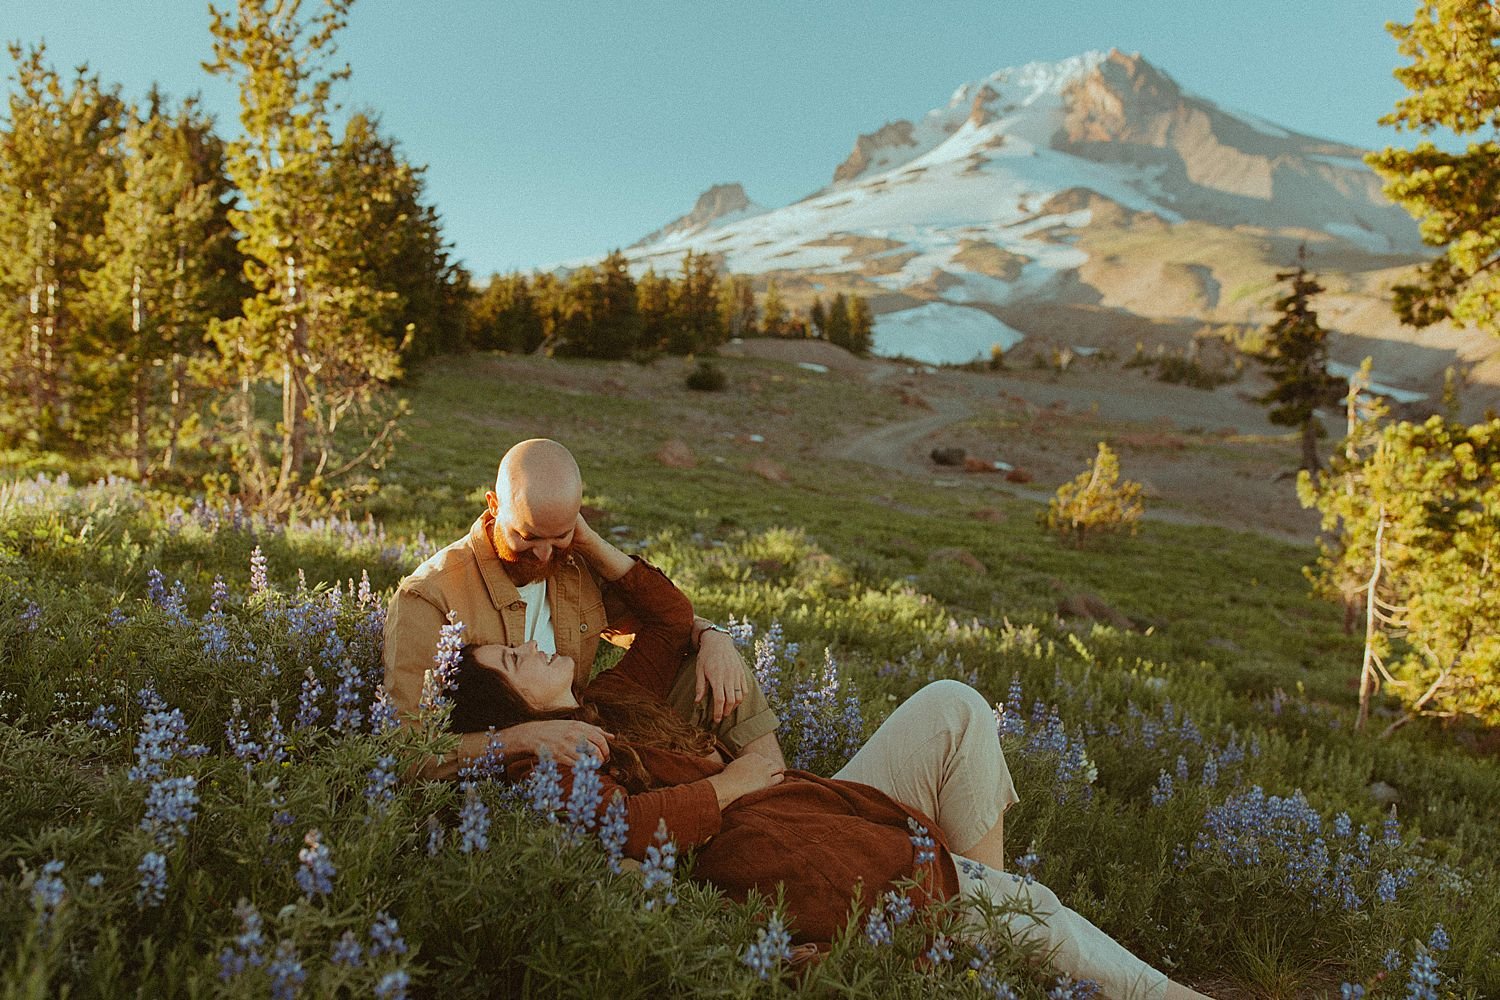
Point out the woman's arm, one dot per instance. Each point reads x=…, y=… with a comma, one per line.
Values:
x=663, y=614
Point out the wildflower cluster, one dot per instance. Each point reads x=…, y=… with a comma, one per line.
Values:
x=1045, y=735
x=823, y=721
x=772, y=946
x=316, y=872
x=659, y=868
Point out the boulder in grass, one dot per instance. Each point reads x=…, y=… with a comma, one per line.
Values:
x=972, y=464
x=1091, y=607
x=987, y=514
x=772, y=472
x=963, y=557
x=1018, y=476
x=676, y=454
x=948, y=456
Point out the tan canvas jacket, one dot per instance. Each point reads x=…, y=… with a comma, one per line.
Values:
x=467, y=578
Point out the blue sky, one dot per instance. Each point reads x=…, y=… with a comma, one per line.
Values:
x=553, y=131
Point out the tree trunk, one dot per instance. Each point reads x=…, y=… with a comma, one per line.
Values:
x=1310, y=446
x=1369, y=683
x=140, y=380
x=293, y=397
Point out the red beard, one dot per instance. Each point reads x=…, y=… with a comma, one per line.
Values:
x=524, y=568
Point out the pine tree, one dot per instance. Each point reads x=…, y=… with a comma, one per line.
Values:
x=1296, y=358
x=315, y=325
x=654, y=295
x=817, y=320
x=861, y=325
x=167, y=267
x=617, y=327
x=738, y=312
x=396, y=242
x=698, y=323
x=836, y=321
x=59, y=163
x=505, y=316
x=774, y=319
x=578, y=306
x=1454, y=47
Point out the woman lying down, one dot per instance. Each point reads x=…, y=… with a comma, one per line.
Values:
x=754, y=826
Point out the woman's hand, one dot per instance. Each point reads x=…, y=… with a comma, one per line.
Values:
x=608, y=561
x=744, y=775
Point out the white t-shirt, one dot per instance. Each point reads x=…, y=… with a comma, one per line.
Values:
x=538, y=616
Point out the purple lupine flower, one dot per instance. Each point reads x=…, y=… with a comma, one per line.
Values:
x=1210, y=770
x=614, y=831
x=587, y=794
x=741, y=631
x=1351, y=991
x=1343, y=826
x=393, y=985
x=171, y=804
x=772, y=946
x=1182, y=768
x=489, y=765
x=1026, y=863
x=117, y=617
x=1438, y=942
x=307, y=705
x=162, y=739
x=450, y=647
x=898, y=907
x=1162, y=792
x=922, y=841
x=385, y=934
x=1385, y=891
x=156, y=587
x=1423, y=980
x=31, y=616
x=274, y=737
x=1010, y=716
x=48, y=891
x=544, y=787
x=384, y=717
x=877, y=930
x=347, y=951
x=434, y=837
x=287, y=974
x=347, y=696
x=247, y=944
x=213, y=629
x=973, y=870
x=1392, y=960
x=237, y=733
x=658, y=870
x=152, y=888
x=365, y=594
x=380, y=788
x=259, y=583
x=941, y=951
x=473, y=822
x=315, y=876
x=1392, y=829
x=103, y=720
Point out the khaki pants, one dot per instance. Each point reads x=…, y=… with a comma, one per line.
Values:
x=940, y=752
x=746, y=724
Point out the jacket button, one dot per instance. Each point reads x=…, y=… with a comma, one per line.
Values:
x=517, y=605
x=583, y=626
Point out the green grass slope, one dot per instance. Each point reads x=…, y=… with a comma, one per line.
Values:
x=1192, y=784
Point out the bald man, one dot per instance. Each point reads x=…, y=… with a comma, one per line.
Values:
x=513, y=579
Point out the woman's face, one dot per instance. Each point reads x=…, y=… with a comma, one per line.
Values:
x=545, y=680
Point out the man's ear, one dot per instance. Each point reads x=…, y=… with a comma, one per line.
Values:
x=492, y=502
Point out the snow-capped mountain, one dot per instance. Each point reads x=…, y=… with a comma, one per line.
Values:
x=1089, y=202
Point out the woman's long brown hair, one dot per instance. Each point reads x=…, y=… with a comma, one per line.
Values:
x=484, y=698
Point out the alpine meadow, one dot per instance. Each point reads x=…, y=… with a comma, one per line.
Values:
x=1170, y=431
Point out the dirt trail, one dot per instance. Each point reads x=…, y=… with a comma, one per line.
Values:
x=1191, y=456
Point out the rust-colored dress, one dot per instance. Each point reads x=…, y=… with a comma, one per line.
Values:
x=823, y=840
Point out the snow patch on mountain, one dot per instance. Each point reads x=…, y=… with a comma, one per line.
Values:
x=942, y=334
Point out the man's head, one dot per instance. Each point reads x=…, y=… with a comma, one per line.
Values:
x=535, y=504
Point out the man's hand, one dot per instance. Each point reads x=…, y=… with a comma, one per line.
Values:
x=721, y=674
x=561, y=738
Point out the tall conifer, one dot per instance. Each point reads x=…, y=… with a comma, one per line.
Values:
x=1296, y=358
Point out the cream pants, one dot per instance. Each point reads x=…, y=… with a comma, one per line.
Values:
x=939, y=752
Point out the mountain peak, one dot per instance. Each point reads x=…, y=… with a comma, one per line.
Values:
x=714, y=205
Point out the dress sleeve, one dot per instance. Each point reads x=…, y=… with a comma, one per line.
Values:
x=665, y=624
x=690, y=810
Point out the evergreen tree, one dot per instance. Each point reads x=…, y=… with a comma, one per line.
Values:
x=861, y=325
x=315, y=324
x=506, y=317
x=836, y=321
x=658, y=317
x=1296, y=358
x=579, y=305
x=1454, y=47
x=617, y=327
x=167, y=267
x=774, y=319
x=698, y=323
x=738, y=313
x=59, y=163
x=396, y=242
x=817, y=320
